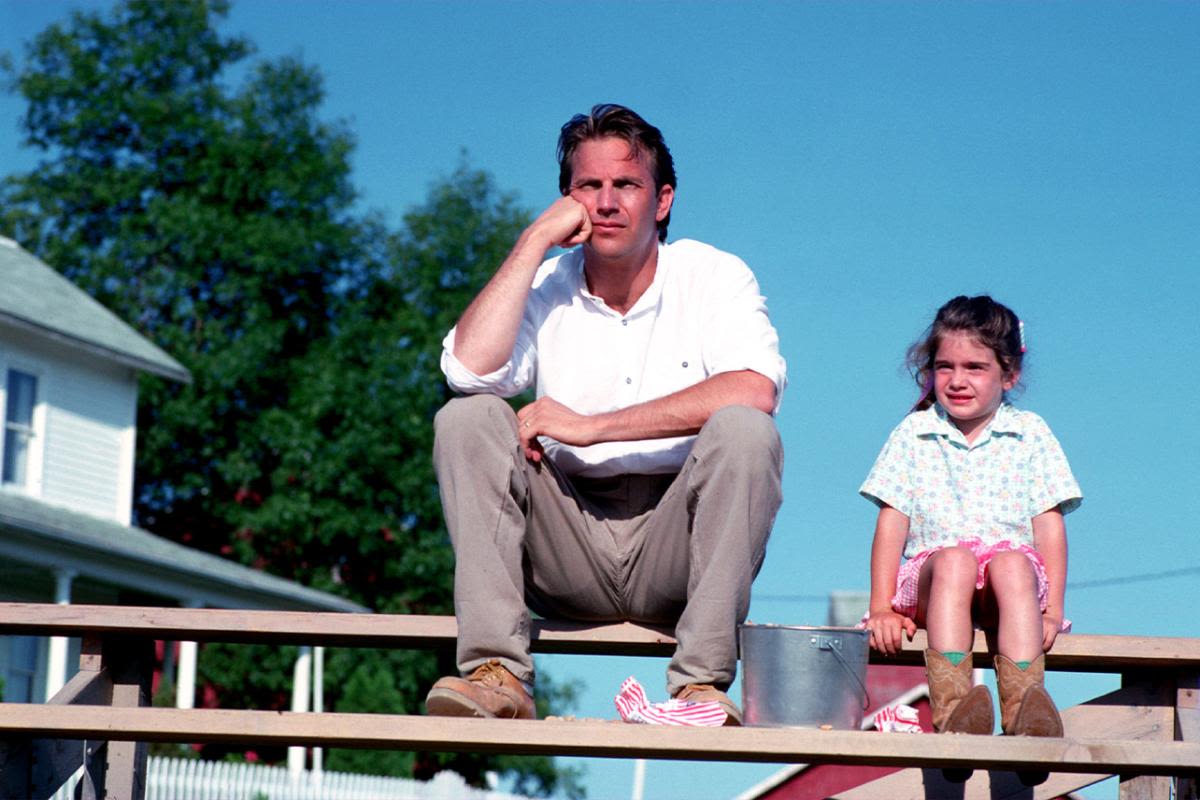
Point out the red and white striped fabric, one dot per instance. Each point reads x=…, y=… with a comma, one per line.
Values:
x=897, y=719
x=633, y=706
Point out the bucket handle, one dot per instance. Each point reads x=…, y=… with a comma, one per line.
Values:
x=827, y=644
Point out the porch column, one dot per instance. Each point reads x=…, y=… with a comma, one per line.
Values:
x=56, y=659
x=301, y=687
x=185, y=676
x=318, y=707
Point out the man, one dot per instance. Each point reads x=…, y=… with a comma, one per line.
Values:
x=643, y=481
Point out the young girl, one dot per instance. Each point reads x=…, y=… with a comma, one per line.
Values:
x=973, y=492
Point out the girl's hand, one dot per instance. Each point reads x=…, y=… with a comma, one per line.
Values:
x=887, y=629
x=1051, y=623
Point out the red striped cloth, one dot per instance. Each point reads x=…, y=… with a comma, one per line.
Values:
x=633, y=706
x=897, y=719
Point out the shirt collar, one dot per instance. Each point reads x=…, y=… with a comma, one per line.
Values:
x=934, y=421
x=647, y=302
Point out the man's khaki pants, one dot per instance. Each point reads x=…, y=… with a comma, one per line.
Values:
x=671, y=549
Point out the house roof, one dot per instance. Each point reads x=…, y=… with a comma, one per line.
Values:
x=37, y=298
x=38, y=533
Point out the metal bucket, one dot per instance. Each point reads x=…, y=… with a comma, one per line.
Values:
x=804, y=677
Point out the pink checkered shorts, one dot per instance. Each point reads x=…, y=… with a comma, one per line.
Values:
x=909, y=577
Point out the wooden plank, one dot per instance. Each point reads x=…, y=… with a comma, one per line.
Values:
x=1074, y=652
x=85, y=688
x=1158, y=707
x=597, y=739
x=919, y=784
x=54, y=761
x=1187, y=707
x=131, y=664
x=37, y=767
x=1121, y=714
x=1187, y=727
x=330, y=629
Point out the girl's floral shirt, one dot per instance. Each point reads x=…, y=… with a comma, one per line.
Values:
x=991, y=489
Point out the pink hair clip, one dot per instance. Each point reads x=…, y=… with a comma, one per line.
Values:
x=1021, y=333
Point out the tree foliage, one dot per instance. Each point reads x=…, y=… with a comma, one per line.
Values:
x=221, y=223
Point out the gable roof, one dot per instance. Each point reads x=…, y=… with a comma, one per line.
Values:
x=38, y=533
x=38, y=299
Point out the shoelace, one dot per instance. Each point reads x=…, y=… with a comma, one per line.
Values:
x=489, y=674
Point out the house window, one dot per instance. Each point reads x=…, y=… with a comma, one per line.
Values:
x=18, y=426
x=21, y=675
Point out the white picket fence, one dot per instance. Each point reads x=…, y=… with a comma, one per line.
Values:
x=192, y=779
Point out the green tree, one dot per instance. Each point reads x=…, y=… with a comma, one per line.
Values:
x=217, y=223
x=221, y=224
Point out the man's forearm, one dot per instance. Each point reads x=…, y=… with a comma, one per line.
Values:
x=684, y=412
x=487, y=331
x=679, y=414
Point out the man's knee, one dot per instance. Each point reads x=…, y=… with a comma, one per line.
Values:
x=465, y=415
x=742, y=431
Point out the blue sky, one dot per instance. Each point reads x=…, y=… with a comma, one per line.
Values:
x=869, y=161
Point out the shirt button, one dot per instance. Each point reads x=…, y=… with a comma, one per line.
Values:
x=625, y=322
x=629, y=380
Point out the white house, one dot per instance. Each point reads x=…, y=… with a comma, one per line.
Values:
x=68, y=391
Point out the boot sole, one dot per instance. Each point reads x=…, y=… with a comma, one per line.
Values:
x=447, y=703
x=1037, y=715
x=973, y=714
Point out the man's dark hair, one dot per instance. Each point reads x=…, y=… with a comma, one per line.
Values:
x=645, y=140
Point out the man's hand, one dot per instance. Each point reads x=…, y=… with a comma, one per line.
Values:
x=681, y=413
x=564, y=224
x=548, y=417
x=887, y=629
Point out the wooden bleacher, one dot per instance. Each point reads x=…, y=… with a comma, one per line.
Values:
x=1147, y=732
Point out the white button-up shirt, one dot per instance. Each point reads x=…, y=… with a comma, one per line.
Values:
x=702, y=315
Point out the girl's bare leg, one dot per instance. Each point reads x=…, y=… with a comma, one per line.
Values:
x=1010, y=597
x=944, y=597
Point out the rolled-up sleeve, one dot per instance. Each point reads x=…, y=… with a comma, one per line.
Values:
x=509, y=380
x=738, y=334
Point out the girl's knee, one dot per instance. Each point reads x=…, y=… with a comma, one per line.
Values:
x=955, y=566
x=1011, y=571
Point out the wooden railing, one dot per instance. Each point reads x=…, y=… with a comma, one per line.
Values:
x=1147, y=732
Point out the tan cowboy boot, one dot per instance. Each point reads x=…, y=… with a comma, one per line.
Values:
x=1025, y=707
x=489, y=691
x=957, y=705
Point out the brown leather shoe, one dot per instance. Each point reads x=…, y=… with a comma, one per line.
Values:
x=706, y=693
x=489, y=691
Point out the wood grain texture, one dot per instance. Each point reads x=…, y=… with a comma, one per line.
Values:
x=598, y=738
x=329, y=629
x=1074, y=652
